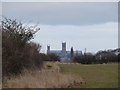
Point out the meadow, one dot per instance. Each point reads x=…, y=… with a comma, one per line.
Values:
x=95, y=75
x=58, y=75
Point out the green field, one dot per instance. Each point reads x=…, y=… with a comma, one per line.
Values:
x=95, y=76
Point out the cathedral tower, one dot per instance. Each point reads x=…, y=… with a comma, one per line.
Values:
x=63, y=46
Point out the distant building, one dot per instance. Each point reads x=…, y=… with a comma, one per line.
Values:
x=63, y=54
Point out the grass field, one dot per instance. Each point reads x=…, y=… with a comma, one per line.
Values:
x=95, y=76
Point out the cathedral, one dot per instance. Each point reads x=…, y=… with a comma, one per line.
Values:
x=63, y=54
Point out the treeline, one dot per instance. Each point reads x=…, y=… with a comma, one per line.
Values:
x=98, y=58
x=50, y=57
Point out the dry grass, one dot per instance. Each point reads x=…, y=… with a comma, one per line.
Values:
x=49, y=77
x=0, y=85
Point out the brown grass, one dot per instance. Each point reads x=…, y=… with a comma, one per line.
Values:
x=49, y=77
x=0, y=85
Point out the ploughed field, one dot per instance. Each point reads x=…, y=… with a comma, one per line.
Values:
x=94, y=75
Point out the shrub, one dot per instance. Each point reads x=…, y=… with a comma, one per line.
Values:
x=53, y=57
x=17, y=50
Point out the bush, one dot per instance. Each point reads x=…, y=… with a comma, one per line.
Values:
x=50, y=57
x=17, y=50
x=53, y=57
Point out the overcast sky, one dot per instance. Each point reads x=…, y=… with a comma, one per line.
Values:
x=90, y=25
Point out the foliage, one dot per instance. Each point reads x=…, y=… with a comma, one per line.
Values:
x=53, y=57
x=99, y=57
x=49, y=57
x=17, y=50
x=84, y=59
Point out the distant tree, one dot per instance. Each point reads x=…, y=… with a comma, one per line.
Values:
x=87, y=58
x=72, y=53
x=78, y=59
x=118, y=58
x=106, y=56
x=53, y=57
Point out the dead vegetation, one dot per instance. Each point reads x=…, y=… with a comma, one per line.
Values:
x=49, y=77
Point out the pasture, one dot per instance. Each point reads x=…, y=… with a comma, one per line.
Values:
x=95, y=75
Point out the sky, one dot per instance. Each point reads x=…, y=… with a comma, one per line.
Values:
x=90, y=25
x=60, y=0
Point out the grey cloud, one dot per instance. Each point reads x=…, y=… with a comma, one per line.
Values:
x=86, y=13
